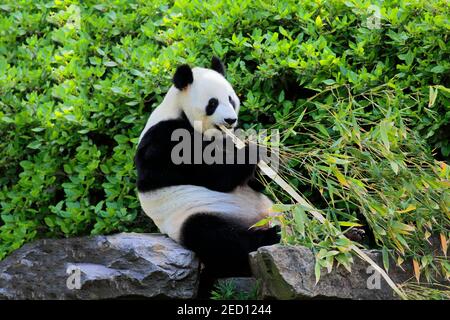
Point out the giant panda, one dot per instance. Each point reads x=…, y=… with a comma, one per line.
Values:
x=208, y=208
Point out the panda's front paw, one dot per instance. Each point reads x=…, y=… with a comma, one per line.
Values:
x=269, y=236
x=356, y=234
x=274, y=235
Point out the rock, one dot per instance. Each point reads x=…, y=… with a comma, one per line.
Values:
x=287, y=272
x=102, y=267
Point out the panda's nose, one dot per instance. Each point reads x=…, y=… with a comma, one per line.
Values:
x=230, y=121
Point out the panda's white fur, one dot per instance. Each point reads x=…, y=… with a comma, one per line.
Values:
x=169, y=207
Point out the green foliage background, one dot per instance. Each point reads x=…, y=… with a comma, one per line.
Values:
x=78, y=80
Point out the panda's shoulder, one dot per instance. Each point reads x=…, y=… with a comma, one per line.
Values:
x=162, y=131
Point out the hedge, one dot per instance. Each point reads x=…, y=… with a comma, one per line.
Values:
x=78, y=80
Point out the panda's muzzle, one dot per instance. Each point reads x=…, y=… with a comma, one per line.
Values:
x=229, y=122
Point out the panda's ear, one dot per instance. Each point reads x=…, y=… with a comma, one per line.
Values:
x=217, y=65
x=183, y=77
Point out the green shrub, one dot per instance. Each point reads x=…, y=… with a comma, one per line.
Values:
x=79, y=78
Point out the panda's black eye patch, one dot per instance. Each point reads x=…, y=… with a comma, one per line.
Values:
x=232, y=102
x=212, y=106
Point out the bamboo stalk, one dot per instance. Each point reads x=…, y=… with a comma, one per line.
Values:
x=316, y=214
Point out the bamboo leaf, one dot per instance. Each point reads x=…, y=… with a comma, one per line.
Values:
x=349, y=224
x=394, y=166
x=344, y=260
x=261, y=223
x=384, y=128
x=432, y=97
x=411, y=207
x=385, y=254
x=300, y=218
x=443, y=244
x=291, y=129
x=402, y=228
x=340, y=176
x=323, y=130
x=403, y=242
x=317, y=271
x=279, y=207
x=416, y=270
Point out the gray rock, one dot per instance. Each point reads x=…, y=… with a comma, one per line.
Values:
x=287, y=272
x=118, y=266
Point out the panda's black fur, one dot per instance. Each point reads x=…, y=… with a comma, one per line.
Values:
x=155, y=148
x=221, y=243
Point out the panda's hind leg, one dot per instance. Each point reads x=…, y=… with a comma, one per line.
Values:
x=222, y=244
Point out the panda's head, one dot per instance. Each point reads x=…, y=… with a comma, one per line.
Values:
x=206, y=97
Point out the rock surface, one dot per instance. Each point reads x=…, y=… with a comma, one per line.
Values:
x=287, y=272
x=101, y=267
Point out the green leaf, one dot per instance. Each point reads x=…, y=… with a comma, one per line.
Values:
x=27, y=165
x=319, y=22
x=49, y=221
x=278, y=207
x=110, y=63
x=132, y=103
x=34, y=145
x=120, y=138
x=385, y=255
x=384, y=128
x=300, y=219
x=7, y=218
x=408, y=57
x=438, y=69
x=322, y=129
x=323, y=253
x=129, y=119
x=98, y=207
x=341, y=178
x=101, y=52
x=261, y=223
x=344, y=260
x=329, y=82
x=7, y=119
x=349, y=224
x=281, y=97
x=137, y=73
x=394, y=166
x=117, y=90
x=68, y=169
x=317, y=271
